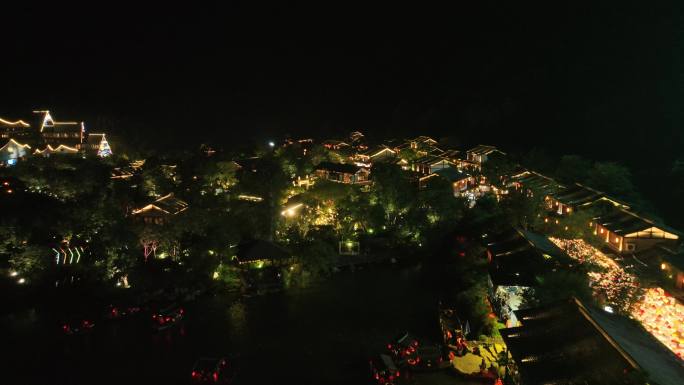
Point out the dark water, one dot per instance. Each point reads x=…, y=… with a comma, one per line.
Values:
x=322, y=335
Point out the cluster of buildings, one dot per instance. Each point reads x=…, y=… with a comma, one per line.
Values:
x=569, y=341
x=612, y=222
x=423, y=157
x=42, y=135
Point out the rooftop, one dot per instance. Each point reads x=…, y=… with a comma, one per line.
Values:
x=451, y=174
x=482, y=149
x=343, y=168
x=578, y=194
x=167, y=204
x=560, y=343
x=623, y=222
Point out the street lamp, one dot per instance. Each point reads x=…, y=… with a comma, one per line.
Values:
x=271, y=144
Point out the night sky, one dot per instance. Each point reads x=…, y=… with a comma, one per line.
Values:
x=601, y=78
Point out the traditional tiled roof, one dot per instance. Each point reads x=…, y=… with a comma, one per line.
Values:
x=535, y=181
x=423, y=139
x=431, y=159
x=482, y=150
x=623, y=222
x=376, y=150
x=338, y=167
x=563, y=343
x=451, y=174
x=167, y=204
x=578, y=195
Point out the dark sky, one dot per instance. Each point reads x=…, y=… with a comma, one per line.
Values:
x=603, y=78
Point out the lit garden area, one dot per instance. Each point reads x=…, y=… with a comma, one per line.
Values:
x=659, y=313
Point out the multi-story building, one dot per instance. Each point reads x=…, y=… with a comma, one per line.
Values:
x=69, y=134
x=18, y=130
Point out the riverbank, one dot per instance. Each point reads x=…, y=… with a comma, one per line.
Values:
x=323, y=334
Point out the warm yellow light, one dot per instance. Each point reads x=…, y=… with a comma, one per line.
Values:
x=16, y=123
x=663, y=266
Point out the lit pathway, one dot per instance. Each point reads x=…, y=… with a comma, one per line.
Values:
x=660, y=314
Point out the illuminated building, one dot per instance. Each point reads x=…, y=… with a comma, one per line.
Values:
x=121, y=173
x=375, y=154
x=332, y=144
x=428, y=164
x=479, y=154
x=97, y=144
x=356, y=138
x=516, y=258
x=421, y=145
x=61, y=149
x=624, y=232
x=531, y=182
x=18, y=129
x=343, y=173
x=460, y=181
x=49, y=136
x=54, y=133
x=161, y=210
x=13, y=151
x=577, y=196
x=568, y=342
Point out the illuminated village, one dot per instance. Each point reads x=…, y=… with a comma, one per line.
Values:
x=544, y=282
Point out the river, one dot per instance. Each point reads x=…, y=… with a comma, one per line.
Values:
x=321, y=335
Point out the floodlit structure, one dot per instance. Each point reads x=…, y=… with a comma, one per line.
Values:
x=576, y=197
x=479, y=154
x=460, y=181
x=159, y=211
x=343, y=173
x=97, y=144
x=375, y=154
x=13, y=151
x=429, y=164
x=624, y=231
x=49, y=136
x=531, y=182
x=17, y=129
x=55, y=133
x=61, y=149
